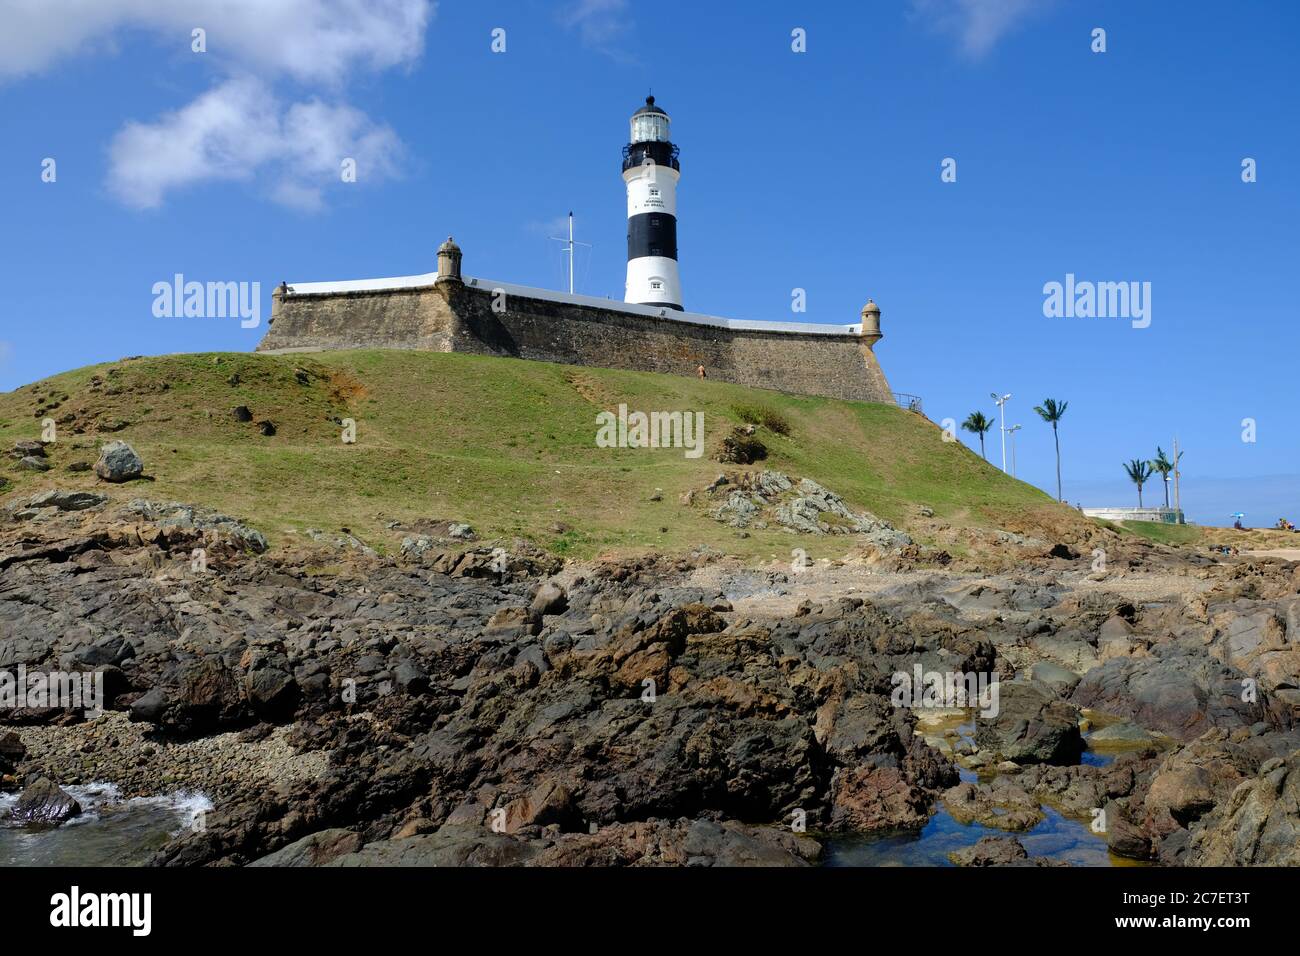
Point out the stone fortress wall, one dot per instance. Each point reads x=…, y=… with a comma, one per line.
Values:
x=444, y=312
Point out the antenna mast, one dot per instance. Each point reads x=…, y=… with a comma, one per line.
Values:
x=570, y=243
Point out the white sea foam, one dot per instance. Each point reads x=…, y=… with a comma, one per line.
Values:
x=98, y=799
x=189, y=805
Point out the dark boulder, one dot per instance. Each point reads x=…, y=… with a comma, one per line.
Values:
x=315, y=849
x=44, y=803
x=1031, y=726
x=196, y=697
x=27, y=449
x=118, y=462
x=549, y=599
x=1175, y=690
x=12, y=752
x=67, y=500
x=867, y=798
x=990, y=851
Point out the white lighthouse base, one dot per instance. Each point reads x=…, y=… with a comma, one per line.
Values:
x=653, y=280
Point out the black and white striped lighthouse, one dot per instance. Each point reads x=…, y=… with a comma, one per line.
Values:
x=651, y=171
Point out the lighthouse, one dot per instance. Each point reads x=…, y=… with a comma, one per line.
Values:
x=651, y=171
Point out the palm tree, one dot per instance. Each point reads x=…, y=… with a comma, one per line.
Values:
x=977, y=423
x=1163, y=466
x=1050, y=411
x=1138, y=473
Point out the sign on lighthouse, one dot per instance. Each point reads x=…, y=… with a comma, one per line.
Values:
x=651, y=171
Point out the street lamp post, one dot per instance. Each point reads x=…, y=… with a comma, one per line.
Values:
x=1002, y=410
x=1178, y=501
x=1012, y=432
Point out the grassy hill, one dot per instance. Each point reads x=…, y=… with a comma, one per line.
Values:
x=1198, y=535
x=506, y=445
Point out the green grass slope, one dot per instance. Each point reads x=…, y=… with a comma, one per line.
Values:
x=506, y=445
x=1172, y=534
x=1183, y=535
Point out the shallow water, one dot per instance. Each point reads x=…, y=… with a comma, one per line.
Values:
x=1093, y=758
x=1057, y=837
x=109, y=832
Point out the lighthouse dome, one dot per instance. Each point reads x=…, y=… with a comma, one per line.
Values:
x=650, y=108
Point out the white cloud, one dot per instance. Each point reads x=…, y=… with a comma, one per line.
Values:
x=227, y=133
x=310, y=40
x=558, y=226
x=977, y=24
x=6, y=350
x=240, y=129
x=600, y=23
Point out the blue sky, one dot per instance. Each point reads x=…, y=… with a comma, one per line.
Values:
x=817, y=170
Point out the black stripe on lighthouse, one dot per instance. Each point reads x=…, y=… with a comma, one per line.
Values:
x=652, y=234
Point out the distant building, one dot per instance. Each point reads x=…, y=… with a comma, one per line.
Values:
x=1160, y=515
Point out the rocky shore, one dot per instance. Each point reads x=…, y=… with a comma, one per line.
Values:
x=472, y=702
